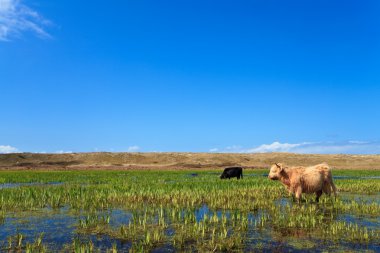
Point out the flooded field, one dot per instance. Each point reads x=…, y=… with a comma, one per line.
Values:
x=177, y=211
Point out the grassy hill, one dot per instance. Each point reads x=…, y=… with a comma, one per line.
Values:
x=103, y=160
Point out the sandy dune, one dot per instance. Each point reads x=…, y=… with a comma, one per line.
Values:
x=77, y=161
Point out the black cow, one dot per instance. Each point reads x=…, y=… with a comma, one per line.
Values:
x=232, y=172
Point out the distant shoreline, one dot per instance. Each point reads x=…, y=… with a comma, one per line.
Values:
x=178, y=161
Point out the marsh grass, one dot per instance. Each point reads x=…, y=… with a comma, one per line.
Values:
x=189, y=213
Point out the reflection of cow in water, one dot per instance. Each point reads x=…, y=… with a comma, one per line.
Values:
x=232, y=172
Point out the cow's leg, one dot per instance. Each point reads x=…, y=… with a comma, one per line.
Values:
x=241, y=175
x=299, y=194
x=326, y=188
x=331, y=183
x=291, y=194
x=318, y=193
x=333, y=187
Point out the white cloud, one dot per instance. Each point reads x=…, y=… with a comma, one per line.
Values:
x=6, y=149
x=347, y=147
x=275, y=147
x=358, y=142
x=16, y=18
x=229, y=149
x=63, y=152
x=133, y=149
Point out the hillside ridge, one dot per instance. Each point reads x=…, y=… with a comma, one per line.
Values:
x=170, y=160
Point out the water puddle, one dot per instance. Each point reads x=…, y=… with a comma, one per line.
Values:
x=361, y=221
x=60, y=228
x=119, y=217
x=15, y=185
x=283, y=201
x=368, y=199
x=57, y=226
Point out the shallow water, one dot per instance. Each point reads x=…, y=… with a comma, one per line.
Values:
x=373, y=222
x=360, y=198
x=61, y=225
x=15, y=185
x=60, y=229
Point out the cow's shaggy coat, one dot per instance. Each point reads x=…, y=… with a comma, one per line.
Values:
x=315, y=179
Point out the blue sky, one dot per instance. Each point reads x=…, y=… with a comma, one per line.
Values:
x=198, y=76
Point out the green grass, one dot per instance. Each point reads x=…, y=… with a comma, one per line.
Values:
x=239, y=210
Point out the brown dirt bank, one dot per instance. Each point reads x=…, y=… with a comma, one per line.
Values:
x=181, y=161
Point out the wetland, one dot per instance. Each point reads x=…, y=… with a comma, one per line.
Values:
x=183, y=211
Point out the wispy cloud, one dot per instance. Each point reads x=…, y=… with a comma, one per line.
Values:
x=6, y=149
x=229, y=149
x=277, y=147
x=63, y=152
x=347, y=147
x=133, y=149
x=17, y=18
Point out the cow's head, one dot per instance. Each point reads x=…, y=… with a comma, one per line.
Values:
x=223, y=176
x=275, y=171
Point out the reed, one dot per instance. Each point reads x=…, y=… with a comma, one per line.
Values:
x=188, y=213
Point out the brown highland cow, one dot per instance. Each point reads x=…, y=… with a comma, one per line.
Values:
x=315, y=179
